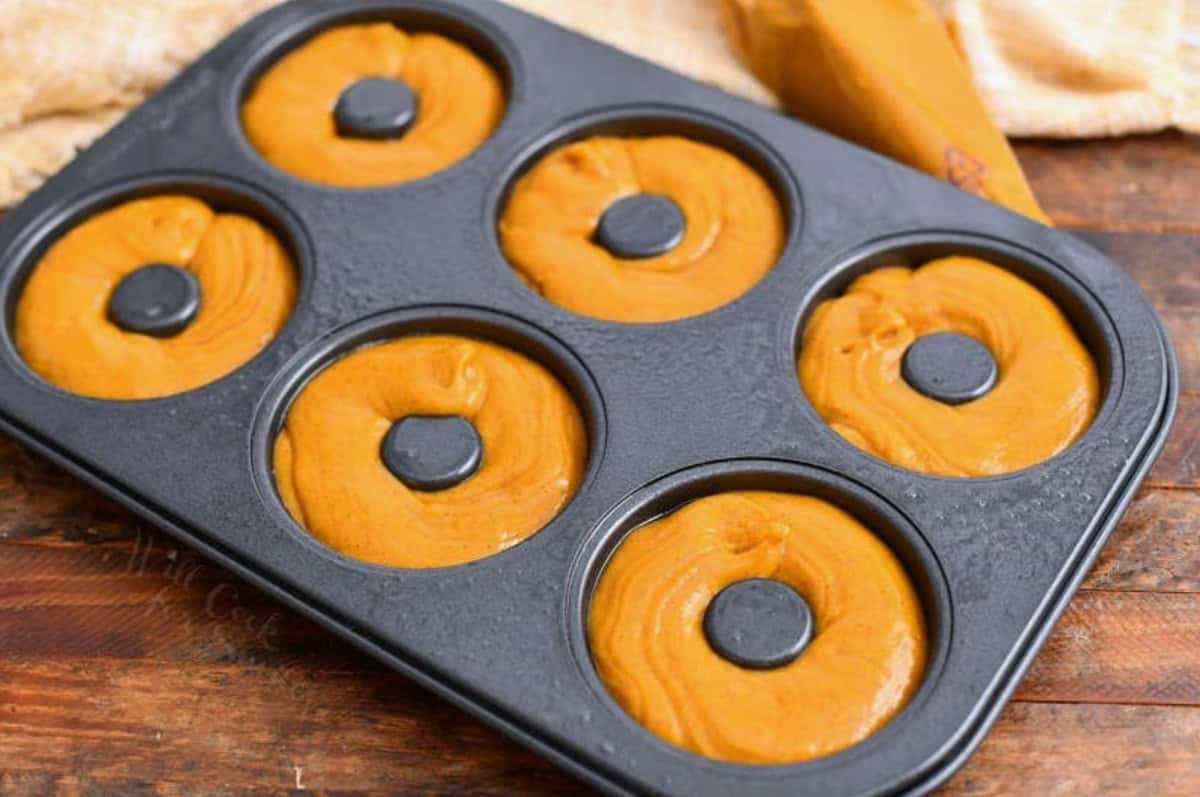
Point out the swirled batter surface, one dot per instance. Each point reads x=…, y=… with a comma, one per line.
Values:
x=334, y=483
x=247, y=285
x=1045, y=396
x=288, y=116
x=735, y=228
x=865, y=661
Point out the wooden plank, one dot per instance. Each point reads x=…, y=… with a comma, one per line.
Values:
x=131, y=726
x=1139, y=182
x=1179, y=463
x=1167, y=268
x=61, y=603
x=148, y=597
x=134, y=592
x=1156, y=546
x=1121, y=647
x=43, y=502
x=1133, y=647
x=115, y=727
x=1062, y=748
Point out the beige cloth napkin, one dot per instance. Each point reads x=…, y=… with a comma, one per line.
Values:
x=69, y=69
x=1081, y=68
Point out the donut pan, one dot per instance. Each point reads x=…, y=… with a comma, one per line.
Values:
x=674, y=410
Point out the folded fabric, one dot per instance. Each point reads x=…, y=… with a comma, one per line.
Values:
x=69, y=68
x=683, y=35
x=1079, y=68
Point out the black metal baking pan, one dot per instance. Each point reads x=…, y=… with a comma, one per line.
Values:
x=995, y=559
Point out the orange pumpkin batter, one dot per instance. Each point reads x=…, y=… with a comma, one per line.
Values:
x=865, y=660
x=247, y=284
x=886, y=74
x=288, y=116
x=735, y=228
x=334, y=483
x=1045, y=396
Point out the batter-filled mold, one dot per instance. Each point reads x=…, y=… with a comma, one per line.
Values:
x=639, y=216
x=661, y=401
x=375, y=98
x=146, y=291
x=423, y=439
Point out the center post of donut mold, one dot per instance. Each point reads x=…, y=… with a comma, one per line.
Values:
x=376, y=108
x=758, y=624
x=949, y=367
x=432, y=452
x=158, y=299
x=640, y=226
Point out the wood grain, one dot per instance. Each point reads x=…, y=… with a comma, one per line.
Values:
x=131, y=726
x=143, y=730
x=1167, y=268
x=1135, y=183
x=130, y=666
x=1073, y=749
x=1121, y=647
x=1155, y=548
x=1179, y=464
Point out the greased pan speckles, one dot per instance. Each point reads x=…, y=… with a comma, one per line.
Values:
x=673, y=411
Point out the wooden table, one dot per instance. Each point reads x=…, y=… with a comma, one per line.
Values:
x=129, y=666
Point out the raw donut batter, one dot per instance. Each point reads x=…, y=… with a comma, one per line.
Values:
x=335, y=484
x=735, y=228
x=850, y=366
x=247, y=289
x=289, y=118
x=865, y=660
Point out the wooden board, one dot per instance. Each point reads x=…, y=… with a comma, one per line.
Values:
x=130, y=666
